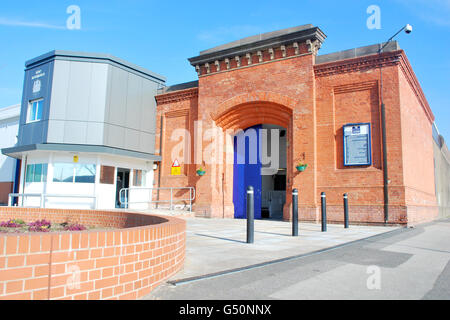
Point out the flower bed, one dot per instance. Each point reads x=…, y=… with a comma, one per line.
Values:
x=20, y=226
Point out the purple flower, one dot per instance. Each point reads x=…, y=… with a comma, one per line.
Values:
x=10, y=224
x=39, y=226
x=74, y=227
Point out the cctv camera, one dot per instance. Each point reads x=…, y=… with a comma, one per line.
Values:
x=408, y=28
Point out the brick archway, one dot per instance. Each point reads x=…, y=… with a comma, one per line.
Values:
x=253, y=113
x=262, y=106
x=248, y=110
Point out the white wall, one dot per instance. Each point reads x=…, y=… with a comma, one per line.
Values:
x=9, y=128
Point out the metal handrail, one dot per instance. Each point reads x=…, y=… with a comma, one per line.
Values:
x=24, y=195
x=43, y=197
x=125, y=193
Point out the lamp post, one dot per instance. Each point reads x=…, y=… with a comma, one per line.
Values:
x=407, y=29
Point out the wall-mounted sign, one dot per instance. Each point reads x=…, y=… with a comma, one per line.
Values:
x=357, y=144
x=175, y=170
x=36, y=81
x=36, y=86
x=75, y=159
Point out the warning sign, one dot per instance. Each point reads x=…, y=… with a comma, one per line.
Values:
x=176, y=169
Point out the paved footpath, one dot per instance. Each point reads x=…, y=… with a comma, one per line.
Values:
x=387, y=263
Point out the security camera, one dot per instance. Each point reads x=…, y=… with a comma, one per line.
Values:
x=408, y=28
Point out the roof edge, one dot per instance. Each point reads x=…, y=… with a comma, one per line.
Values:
x=301, y=35
x=16, y=152
x=71, y=55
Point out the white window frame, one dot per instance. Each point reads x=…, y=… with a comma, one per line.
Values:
x=30, y=106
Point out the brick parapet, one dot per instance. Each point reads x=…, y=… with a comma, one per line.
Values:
x=125, y=262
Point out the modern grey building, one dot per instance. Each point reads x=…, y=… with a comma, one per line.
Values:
x=87, y=129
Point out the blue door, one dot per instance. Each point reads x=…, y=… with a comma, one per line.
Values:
x=247, y=171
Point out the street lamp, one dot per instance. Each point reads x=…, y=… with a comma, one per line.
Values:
x=408, y=30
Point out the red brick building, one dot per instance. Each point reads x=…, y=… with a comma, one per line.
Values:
x=277, y=78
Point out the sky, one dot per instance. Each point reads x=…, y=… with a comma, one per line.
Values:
x=161, y=35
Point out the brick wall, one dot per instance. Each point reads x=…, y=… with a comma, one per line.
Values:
x=276, y=92
x=417, y=149
x=176, y=114
x=113, y=263
x=313, y=102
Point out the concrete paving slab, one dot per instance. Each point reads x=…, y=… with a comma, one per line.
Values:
x=408, y=263
x=219, y=245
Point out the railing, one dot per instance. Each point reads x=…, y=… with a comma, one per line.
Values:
x=124, y=195
x=43, y=197
x=24, y=196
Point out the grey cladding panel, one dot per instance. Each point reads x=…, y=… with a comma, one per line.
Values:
x=148, y=119
x=79, y=91
x=60, y=88
x=132, y=139
x=134, y=102
x=98, y=91
x=118, y=96
x=75, y=132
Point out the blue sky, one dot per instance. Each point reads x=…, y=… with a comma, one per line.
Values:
x=161, y=35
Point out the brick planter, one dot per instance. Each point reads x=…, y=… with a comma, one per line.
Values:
x=126, y=262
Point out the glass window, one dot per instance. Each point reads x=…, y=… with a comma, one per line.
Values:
x=30, y=173
x=69, y=172
x=35, y=110
x=63, y=172
x=36, y=172
x=85, y=173
x=139, y=178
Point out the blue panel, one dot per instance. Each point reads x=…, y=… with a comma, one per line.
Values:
x=37, y=85
x=238, y=184
x=247, y=171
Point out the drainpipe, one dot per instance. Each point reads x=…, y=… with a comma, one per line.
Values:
x=384, y=147
x=385, y=164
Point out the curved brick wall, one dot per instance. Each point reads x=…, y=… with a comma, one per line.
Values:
x=126, y=262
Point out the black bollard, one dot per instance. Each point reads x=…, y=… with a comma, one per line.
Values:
x=294, y=212
x=324, y=212
x=250, y=214
x=345, y=210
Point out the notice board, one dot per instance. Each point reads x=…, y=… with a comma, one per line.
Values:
x=357, y=144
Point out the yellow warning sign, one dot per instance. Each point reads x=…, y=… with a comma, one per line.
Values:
x=175, y=170
x=75, y=159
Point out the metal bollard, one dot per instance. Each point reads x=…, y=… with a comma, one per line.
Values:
x=294, y=212
x=324, y=212
x=345, y=210
x=250, y=214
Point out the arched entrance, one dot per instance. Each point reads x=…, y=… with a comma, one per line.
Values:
x=268, y=114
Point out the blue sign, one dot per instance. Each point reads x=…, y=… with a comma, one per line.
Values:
x=357, y=144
